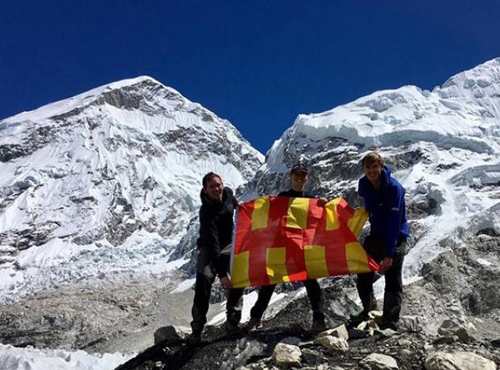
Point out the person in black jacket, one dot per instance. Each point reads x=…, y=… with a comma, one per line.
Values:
x=384, y=199
x=216, y=230
x=298, y=177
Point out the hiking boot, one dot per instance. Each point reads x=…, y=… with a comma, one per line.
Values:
x=387, y=324
x=230, y=326
x=253, y=324
x=359, y=316
x=194, y=339
x=318, y=326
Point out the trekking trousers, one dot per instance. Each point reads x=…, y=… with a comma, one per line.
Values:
x=393, y=293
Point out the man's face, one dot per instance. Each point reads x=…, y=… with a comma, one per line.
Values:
x=373, y=171
x=299, y=179
x=214, y=189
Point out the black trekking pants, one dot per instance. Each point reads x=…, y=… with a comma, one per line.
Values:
x=313, y=293
x=201, y=301
x=205, y=277
x=393, y=293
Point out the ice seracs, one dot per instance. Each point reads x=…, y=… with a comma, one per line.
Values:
x=105, y=164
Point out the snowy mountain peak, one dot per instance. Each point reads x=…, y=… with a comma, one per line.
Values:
x=464, y=113
x=118, y=165
x=444, y=147
x=478, y=80
x=129, y=94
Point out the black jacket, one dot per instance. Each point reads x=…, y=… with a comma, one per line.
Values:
x=216, y=229
x=295, y=194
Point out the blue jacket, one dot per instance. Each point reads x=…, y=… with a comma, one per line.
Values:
x=386, y=206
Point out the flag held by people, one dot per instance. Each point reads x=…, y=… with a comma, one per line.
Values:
x=281, y=239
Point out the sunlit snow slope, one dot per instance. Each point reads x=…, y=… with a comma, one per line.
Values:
x=107, y=181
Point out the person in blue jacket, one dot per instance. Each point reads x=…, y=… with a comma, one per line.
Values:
x=384, y=199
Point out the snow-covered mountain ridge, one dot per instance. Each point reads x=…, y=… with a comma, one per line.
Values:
x=463, y=113
x=444, y=146
x=117, y=166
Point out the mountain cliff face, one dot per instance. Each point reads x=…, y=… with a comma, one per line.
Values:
x=109, y=168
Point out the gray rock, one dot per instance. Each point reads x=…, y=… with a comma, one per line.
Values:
x=313, y=358
x=410, y=324
x=333, y=344
x=458, y=361
x=449, y=329
x=404, y=343
x=386, y=333
x=496, y=343
x=377, y=361
x=286, y=355
x=171, y=333
x=291, y=340
x=405, y=353
x=446, y=340
x=338, y=332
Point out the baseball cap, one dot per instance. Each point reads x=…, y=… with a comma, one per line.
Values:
x=299, y=167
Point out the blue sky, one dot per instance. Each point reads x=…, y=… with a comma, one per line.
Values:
x=256, y=63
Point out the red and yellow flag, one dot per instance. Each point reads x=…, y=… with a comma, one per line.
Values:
x=281, y=239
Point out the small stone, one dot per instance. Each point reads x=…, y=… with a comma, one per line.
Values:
x=386, y=333
x=404, y=343
x=313, y=358
x=445, y=340
x=406, y=353
x=496, y=343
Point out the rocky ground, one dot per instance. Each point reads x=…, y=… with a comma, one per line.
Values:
x=412, y=347
x=451, y=321
x=454, y=309
x=111, y=317
x=257, y=351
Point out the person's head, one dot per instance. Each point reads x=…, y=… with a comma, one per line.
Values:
x=298, y=176
x=372, y=164
x=213, y=186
